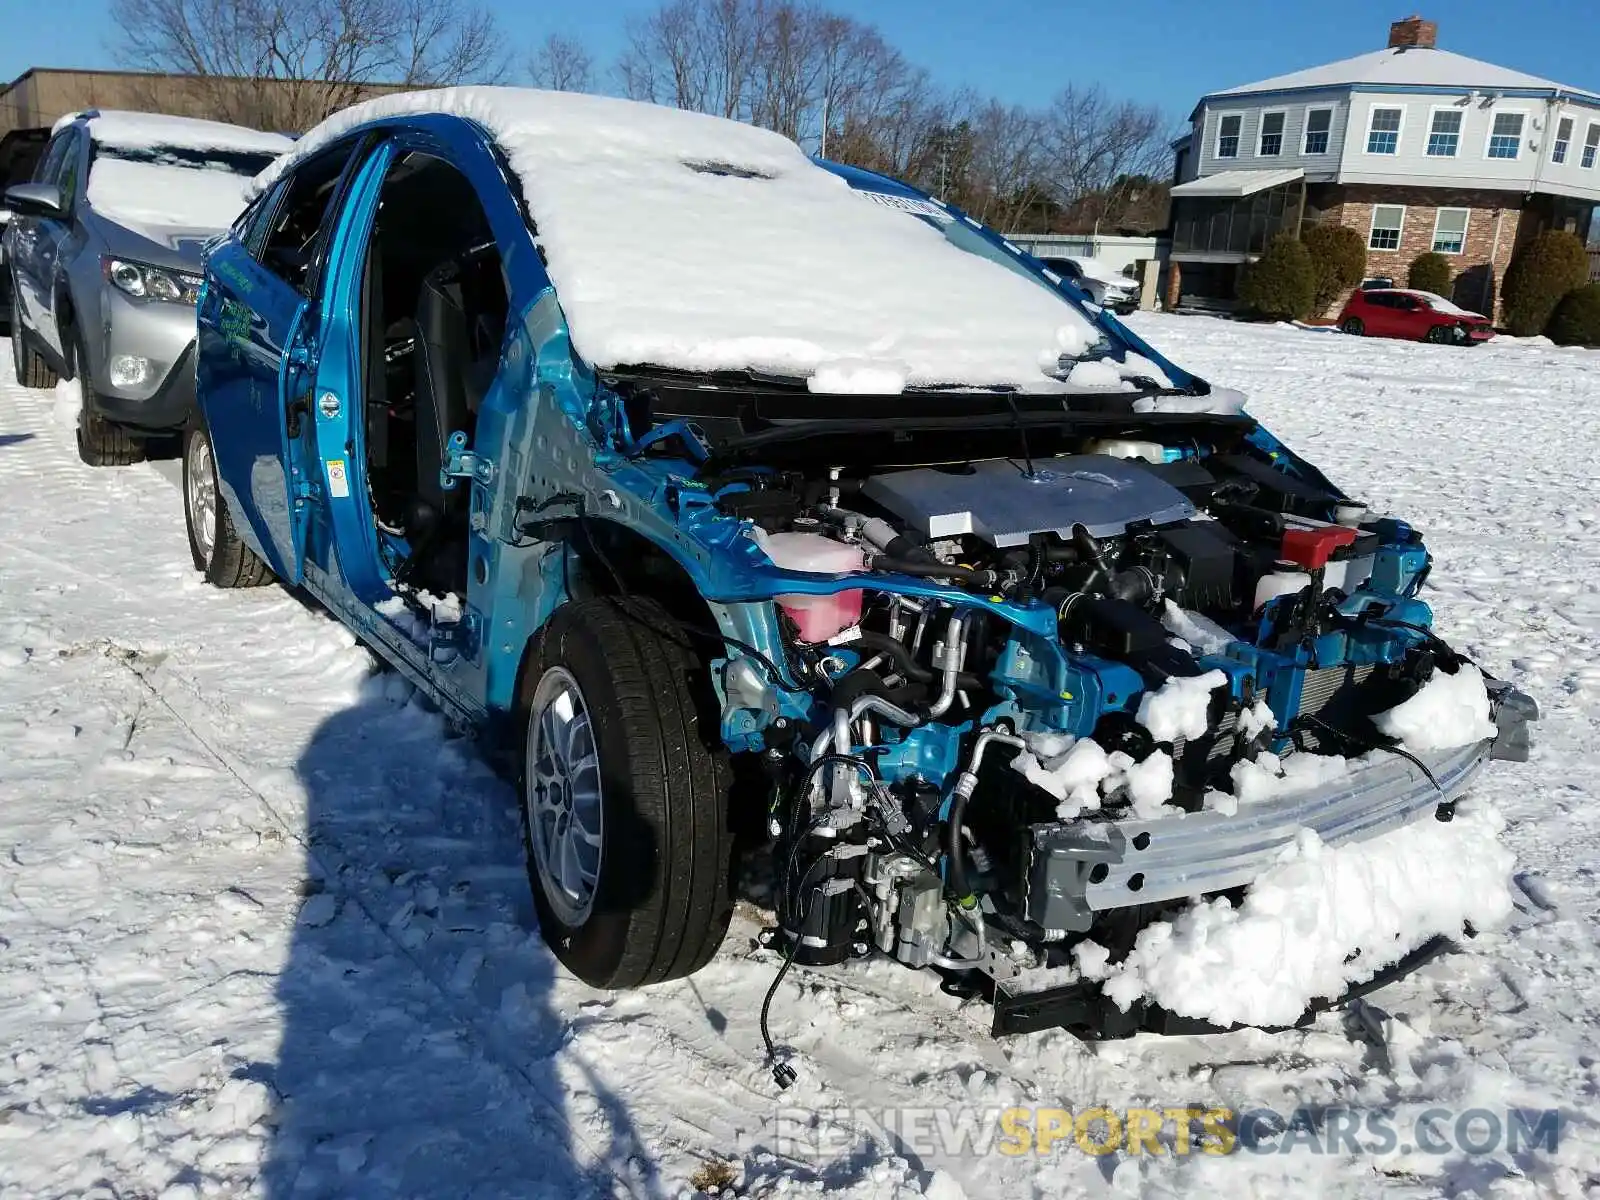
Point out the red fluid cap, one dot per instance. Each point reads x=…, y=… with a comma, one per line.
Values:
x=1311, y=548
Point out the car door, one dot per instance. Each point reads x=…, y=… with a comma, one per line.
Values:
x=1381, y=314
x=254, y=362
x=37, y=242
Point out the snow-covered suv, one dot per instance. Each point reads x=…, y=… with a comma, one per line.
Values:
x=104, y=251
x=742, y=493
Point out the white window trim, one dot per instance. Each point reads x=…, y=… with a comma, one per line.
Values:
x=1261, y=131
x=1305, y=129
x=1465, y=226
x=1373, y=224
x=1522, y=133
x=1216, y=140
x=1588, y=131
x=1460, y=133
x=1372, y=112
x=1556, y=139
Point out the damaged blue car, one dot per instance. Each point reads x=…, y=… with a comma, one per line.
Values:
x=747, y=498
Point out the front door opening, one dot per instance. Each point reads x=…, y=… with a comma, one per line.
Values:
x=434, y=301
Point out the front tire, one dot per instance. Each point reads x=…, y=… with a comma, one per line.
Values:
x=31, y=369
x=101, y=443
x=626, y=821
x=215, y=546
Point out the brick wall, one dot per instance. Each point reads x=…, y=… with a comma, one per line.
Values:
x=1484, y=256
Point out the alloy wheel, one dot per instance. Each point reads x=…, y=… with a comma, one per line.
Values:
x=562, y=793
x=200, y=493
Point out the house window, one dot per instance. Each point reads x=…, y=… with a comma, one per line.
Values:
x=1383, y=131
x=1591, y=145
x=1387, y=222
x=1450, y=230
x=1505, y=140
x=1271, y=134
x=1228, y=136
x=1444, y=136
x=1558, y=152
x=1318, y=123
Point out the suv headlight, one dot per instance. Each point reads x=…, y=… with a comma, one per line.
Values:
x=144, y=282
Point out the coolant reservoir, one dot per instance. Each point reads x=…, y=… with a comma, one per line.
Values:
x=1283, y=580
x=817, y=617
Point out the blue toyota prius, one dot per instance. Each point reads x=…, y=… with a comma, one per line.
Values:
x=749, y=498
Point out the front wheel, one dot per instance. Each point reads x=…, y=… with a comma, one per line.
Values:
x=101, y=443
x=1354, y=327
x=215, y=546
x=624, y=788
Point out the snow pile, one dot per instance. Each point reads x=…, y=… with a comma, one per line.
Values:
x=1198, y=630
x=1081, y=776
x=157, y=197
x=1448, y=711
x=147, y=131
x=1321, y=919
x=687, y=241
x=1268, y=776
x=1180, y=709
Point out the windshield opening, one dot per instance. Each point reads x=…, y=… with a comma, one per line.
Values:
x=246, y=163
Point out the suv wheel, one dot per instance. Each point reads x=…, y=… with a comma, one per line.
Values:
x=218, y=552
x=101, y=443
x=31, y=369
x=624, y=797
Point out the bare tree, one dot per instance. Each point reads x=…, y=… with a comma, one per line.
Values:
x=562, y=65
x=286, y=64
x=1103, y=154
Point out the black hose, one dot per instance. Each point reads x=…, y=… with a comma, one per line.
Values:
x=955, y=853
x=934, y=570
x=882, y=643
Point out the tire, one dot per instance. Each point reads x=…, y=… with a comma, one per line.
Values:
x=222, y=557
x=1355, y=327
x=101, y=443
x=663, y=867
x=30, y=366
x=1439, y=335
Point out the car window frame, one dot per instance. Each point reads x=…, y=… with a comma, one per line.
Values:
x=361, y=144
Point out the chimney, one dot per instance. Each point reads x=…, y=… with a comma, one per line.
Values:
x=1413, y=34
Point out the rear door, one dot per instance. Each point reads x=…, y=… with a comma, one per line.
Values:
x=37, y=242
x=254, y=360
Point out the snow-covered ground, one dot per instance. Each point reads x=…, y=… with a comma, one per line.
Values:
x=264, y=927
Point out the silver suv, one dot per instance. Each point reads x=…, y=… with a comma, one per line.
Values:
x=104, y=253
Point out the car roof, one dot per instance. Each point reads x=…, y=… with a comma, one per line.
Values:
x=681, y=240
x=139, y=130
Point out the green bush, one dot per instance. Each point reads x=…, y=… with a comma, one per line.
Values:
x=1548, y=266
x=1430, y=272
x=1576, y=321
x=1338, y=261
x=1280, y=285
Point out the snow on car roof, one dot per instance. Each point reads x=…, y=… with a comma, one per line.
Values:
x=137, y=130
x=692, y=242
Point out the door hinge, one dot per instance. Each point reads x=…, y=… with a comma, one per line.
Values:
x=461, y=463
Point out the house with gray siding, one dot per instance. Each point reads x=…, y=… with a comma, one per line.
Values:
x=1416, y=148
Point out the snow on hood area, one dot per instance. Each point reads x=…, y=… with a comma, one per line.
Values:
x=164, y=203
x=691, y=242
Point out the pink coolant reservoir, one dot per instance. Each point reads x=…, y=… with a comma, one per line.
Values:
x=817, y=617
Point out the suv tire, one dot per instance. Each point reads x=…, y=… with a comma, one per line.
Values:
x=611, y=724
x=101, y=443
x=31, y=368
x=215, y=545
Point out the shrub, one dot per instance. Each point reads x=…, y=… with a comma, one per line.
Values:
x=1280, y=284
x=1548, y=266
x=1430, y=272
x=1576, y=321
x=1338, y=261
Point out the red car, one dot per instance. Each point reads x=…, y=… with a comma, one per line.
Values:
x=1416, y=316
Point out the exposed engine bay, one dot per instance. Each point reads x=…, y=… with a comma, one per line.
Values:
x=1006, y=677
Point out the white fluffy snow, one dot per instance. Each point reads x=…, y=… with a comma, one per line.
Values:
x=147, y=131
x=1178, y=709
x=1323, y=918
x=687, y=241
x=1447, y=711
x=1080, y=776
x=160, y=198
x=267, y=931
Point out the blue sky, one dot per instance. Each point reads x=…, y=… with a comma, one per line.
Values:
x=1162, y=51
